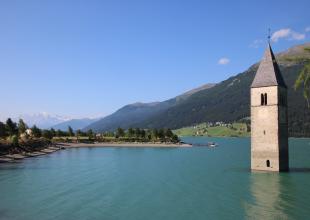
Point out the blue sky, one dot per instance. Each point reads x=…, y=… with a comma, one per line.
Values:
x=89, y=58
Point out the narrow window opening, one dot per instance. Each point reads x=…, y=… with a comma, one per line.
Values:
x=264, y=132
x=268, y=163
x=262, y=99
x=265, y=98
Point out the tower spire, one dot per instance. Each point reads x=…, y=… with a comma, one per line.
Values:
x=268, y=73
x=269, y=125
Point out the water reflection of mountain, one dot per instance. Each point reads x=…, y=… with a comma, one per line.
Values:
x=271, y=196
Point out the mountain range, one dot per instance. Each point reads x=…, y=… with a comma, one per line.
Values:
x=75, y=124
x=226, y=101
x=132, y=114
x=42, y=120
x=45, y=120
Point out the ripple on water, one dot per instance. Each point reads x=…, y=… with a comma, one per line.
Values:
x=144, y=183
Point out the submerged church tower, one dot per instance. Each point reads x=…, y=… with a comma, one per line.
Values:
x=269, y=131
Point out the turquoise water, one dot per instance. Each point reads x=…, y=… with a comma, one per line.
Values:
x=156, y=183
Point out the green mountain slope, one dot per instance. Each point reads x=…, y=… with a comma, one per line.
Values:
x=227, y=101
x=75, y=124
x=131, y=114
x=230, y=100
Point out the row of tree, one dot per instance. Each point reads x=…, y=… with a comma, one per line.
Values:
x=142, y=134
x=132, y=134
x=10, y=129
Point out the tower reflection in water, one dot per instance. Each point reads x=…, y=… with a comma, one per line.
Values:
x=271, y=196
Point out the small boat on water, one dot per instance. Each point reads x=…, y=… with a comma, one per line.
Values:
x=209, y=144
x=212, y=144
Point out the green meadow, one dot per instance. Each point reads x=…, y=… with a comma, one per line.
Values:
x=224, y=130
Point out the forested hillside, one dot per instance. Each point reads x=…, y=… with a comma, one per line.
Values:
x=227, y=101
x=138, y=112
x=230, y=101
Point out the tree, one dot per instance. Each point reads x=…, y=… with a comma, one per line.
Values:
x=154, y=134
x=78, y=133
x=58, y=133
x=2, y=130
x=10, y=127
x=303, y=79
x=169, y=133
x=70, y=131
x=248, y=127
x=108, y=134
x=22, y=127
x=131, y=132
x=53, y=132
x=137, y=132
x=161, y=133
x=149, y=136
x=90, y=134
x=14, y=140
x=175, y=138
x=142, y=134
x=36, y=132
x=120, y=132
x=47, y=134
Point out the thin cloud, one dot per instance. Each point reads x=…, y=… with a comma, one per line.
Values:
x=288, y=34
x=307, y=29
x=256, y=43
x=298, y=36
x=223, y=61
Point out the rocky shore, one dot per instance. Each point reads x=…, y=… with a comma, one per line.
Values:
x=15, y=157
x=7, y=158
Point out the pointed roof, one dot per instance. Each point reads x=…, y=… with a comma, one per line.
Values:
x=268, y=73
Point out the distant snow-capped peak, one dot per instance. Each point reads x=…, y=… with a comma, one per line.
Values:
x=43, y=119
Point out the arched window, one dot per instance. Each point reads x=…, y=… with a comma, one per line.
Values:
x=265, y=98
x=262, y=99
x=268, y=163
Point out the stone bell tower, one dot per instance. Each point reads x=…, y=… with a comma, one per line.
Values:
x=269, y=132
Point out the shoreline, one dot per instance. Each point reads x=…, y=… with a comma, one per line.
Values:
x=13, y=158
x=125, y=144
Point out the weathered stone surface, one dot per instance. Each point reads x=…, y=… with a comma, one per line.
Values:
x=269, y=134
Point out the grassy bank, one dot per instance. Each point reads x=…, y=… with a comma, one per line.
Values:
x=223, y=130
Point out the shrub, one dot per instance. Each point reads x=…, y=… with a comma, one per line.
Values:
x=14, y=140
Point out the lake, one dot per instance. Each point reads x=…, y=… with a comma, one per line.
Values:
x=156, y=183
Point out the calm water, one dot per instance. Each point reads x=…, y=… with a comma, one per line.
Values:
x=148, y=183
